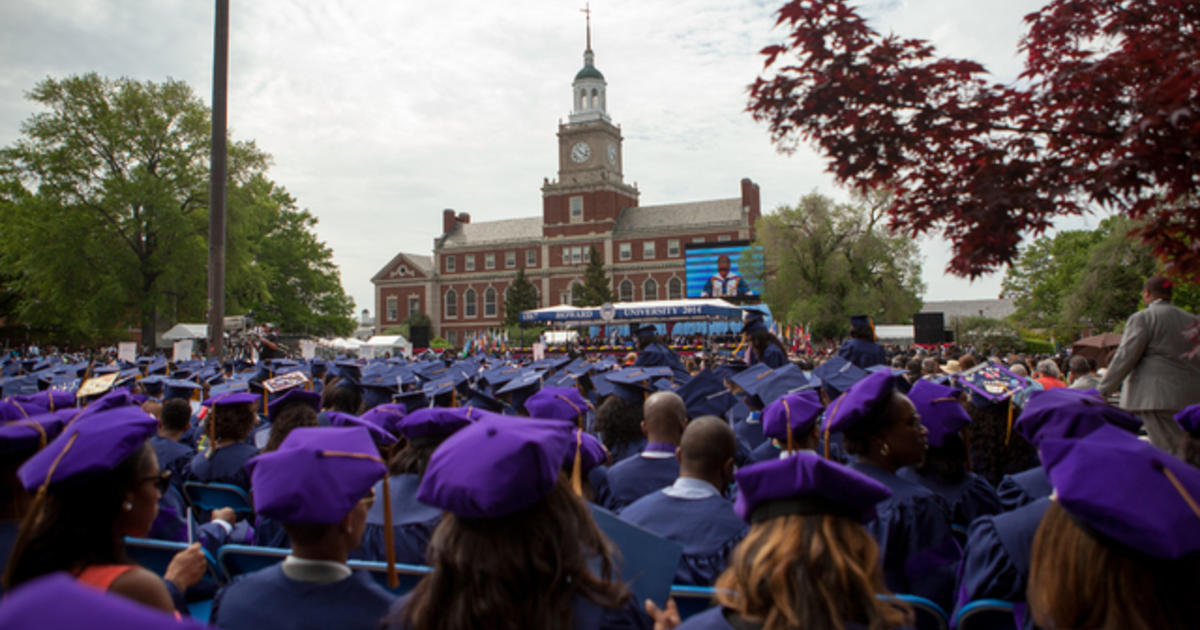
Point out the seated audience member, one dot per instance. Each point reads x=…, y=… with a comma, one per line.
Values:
x=339, y=395
x=1082, y=373
x=913, y=526
x=95, y=484
x=412, y=522
x=996, y=558
x=656, y=466
x=806, y=562
x=174, y=419
x=516, y=545
x=790, y=423
x=230, y=419
x=1118, y=546
x=1048, y=374
x=295, y=409
x=318, y=485
x=944, y=469
x=694, y=511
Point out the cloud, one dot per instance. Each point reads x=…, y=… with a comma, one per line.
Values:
x=379, y=114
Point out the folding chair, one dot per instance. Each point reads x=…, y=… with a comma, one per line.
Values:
x=929, y=615
x=238, y=559
x=206, y=497
x=986, y=614
x=156, y=555
x=409, y=574
x=691, y=600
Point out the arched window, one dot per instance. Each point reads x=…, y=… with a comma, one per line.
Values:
x=674, y=289
x=595, y=99
x=470, y=305
x=583, y=99
x=451, y=304
x=650, y=289
x=626, y=291
x=576, y=294
x=489, y=302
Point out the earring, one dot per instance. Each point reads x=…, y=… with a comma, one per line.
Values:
x=128, y=507
x=885, y=449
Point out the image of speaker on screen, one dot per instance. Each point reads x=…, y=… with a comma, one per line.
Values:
x=726, y=282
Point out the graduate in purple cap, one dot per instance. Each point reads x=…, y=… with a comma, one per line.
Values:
x=807, y=561
x=318, y=484
x=693, y=511
x=229, y=422
x=1119, y=546
x=656, y=467
x=19, y=440
x=590, y=478
x=913, y=527
x=517, y=547
x=790, y=424
x=945, y=468
x=95, y=484
x=413, y=522
x=59, y=601
x=559, y=403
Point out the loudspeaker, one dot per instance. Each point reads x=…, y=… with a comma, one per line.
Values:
x=949, y=336
x=929, y=328
x=420, y=336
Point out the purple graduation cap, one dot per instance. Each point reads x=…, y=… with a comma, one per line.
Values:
x=805, y=484
x=1189, y=419
x=91, y=444
x=792, y=415
x=859, y=403
x=58, y=600
x=386, y=416
x=32, y=433
x=436, y=422
x=586, y=454
x=1128, y=491
x=940, y=411
x=293, y=396
x=496, y=466
x=1063, y=413
x=316, y=476
x=378, y=434
x=558, y=403
x=233, y=398
x=49, y=399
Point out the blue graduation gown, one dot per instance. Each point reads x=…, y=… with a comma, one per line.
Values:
x=627, y=450
x=714, y=619
x=968, y=499
x=412, y=523
x=227, y=465
x=638, y=476
x=862, y=353
x=997, y=557
x=8, y=536
x=749, y=431
x=912, y=528
x=586, y=615
x=656, y=354
x=772, y=356
x=269, y=599
x=269, y=532
x=598, y=479
x=765, y=452
x=173, y=456
x=1023, y=488
x=707, y=528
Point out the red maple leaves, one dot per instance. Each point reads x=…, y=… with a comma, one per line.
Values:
x=1105, y=115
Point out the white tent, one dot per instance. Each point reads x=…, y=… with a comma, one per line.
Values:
x=186, y=331
x=395, y=344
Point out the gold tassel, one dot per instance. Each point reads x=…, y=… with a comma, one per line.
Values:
x=1008, y=428
x=787, y=416
x=577, y=467
x=389, y=536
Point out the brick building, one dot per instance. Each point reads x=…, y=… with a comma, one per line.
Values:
x=462, y=285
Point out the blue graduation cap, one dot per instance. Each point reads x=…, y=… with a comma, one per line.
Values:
x=645, y=330
x=154, y=384
x=630, y=385
x=551, y=362
x=780, y=381
x=562, y=378
x=157, y=366
x=178, y=388
x=498, y=376
x=665, y=385
x=480, y=399
x=753, y=321
x=647, y=561
x=705, y=394
x=522, y=387
x=838, y=375
x=748, y=378
x=412, y=400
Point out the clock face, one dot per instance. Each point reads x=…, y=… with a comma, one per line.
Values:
x=581, y=152
x=612, y=154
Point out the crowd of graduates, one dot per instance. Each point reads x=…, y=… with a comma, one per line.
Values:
x=836, y=495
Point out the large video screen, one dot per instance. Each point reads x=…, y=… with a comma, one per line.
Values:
x=713, y=269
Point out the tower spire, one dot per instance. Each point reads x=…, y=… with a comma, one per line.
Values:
x=587, y=11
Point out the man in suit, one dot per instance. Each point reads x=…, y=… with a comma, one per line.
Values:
x=1158, y=380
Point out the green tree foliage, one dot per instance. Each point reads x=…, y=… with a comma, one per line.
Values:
x=1080, y=280
x=104, y=218
x=823, y=261
x=522, y=296
x=596, y=286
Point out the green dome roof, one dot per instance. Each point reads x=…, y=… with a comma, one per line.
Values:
x=589, y=72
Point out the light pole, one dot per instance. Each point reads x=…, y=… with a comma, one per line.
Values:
x=216, y=185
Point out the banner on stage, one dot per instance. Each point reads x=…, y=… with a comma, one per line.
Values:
x=308, y=349
x=183, y=350
x=127, y=351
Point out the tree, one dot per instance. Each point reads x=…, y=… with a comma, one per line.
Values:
x=596, y=287
x=824, y=261
x=1080, y=280
x=1106, y=114
x=522, y=296
x=104, y=218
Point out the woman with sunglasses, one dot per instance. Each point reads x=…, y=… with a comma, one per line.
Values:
x=95, y=484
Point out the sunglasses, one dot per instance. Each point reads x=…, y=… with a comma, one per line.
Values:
x=162, y=480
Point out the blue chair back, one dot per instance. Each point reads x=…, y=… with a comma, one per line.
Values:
x=409, y=574
x=929, y=615
x=691, y=600
x=207, y=497
x=155, y=556
x=239, y=559
x=986, y=614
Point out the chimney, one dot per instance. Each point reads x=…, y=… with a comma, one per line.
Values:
x=750, y=202
x=448, y=222
x=464, y=217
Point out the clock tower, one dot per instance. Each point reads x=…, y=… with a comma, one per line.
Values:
x=590, y=191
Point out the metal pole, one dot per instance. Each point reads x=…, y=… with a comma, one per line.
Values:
x=216, y=185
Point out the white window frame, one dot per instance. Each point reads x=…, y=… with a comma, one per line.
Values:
x=724, y=238
x=489, y=261
x=575, y=208
x=646, y=294
x=673, y=248
x=470, y=304
x=676, y=282
x=697, y=239
x=451, y=264
x=452, y=337
x=489, y=307
x=531, y=258
x=647, y=250
x=392, y=309
x=621, y=290
x=450, y=303
x=468, y=262
x=625, y=251
x=510, y=259
x=414, y=305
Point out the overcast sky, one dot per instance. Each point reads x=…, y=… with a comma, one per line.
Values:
x=380, y=113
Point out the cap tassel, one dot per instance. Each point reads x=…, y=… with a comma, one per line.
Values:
x=829, y=421
x=389, y=536
x=35, y=509
x=38, y=427
x=787, y=414
x=577, y=467
x=1187, y=498
x=1008, y=426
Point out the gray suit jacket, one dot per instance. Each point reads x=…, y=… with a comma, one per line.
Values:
x=1150, y=356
